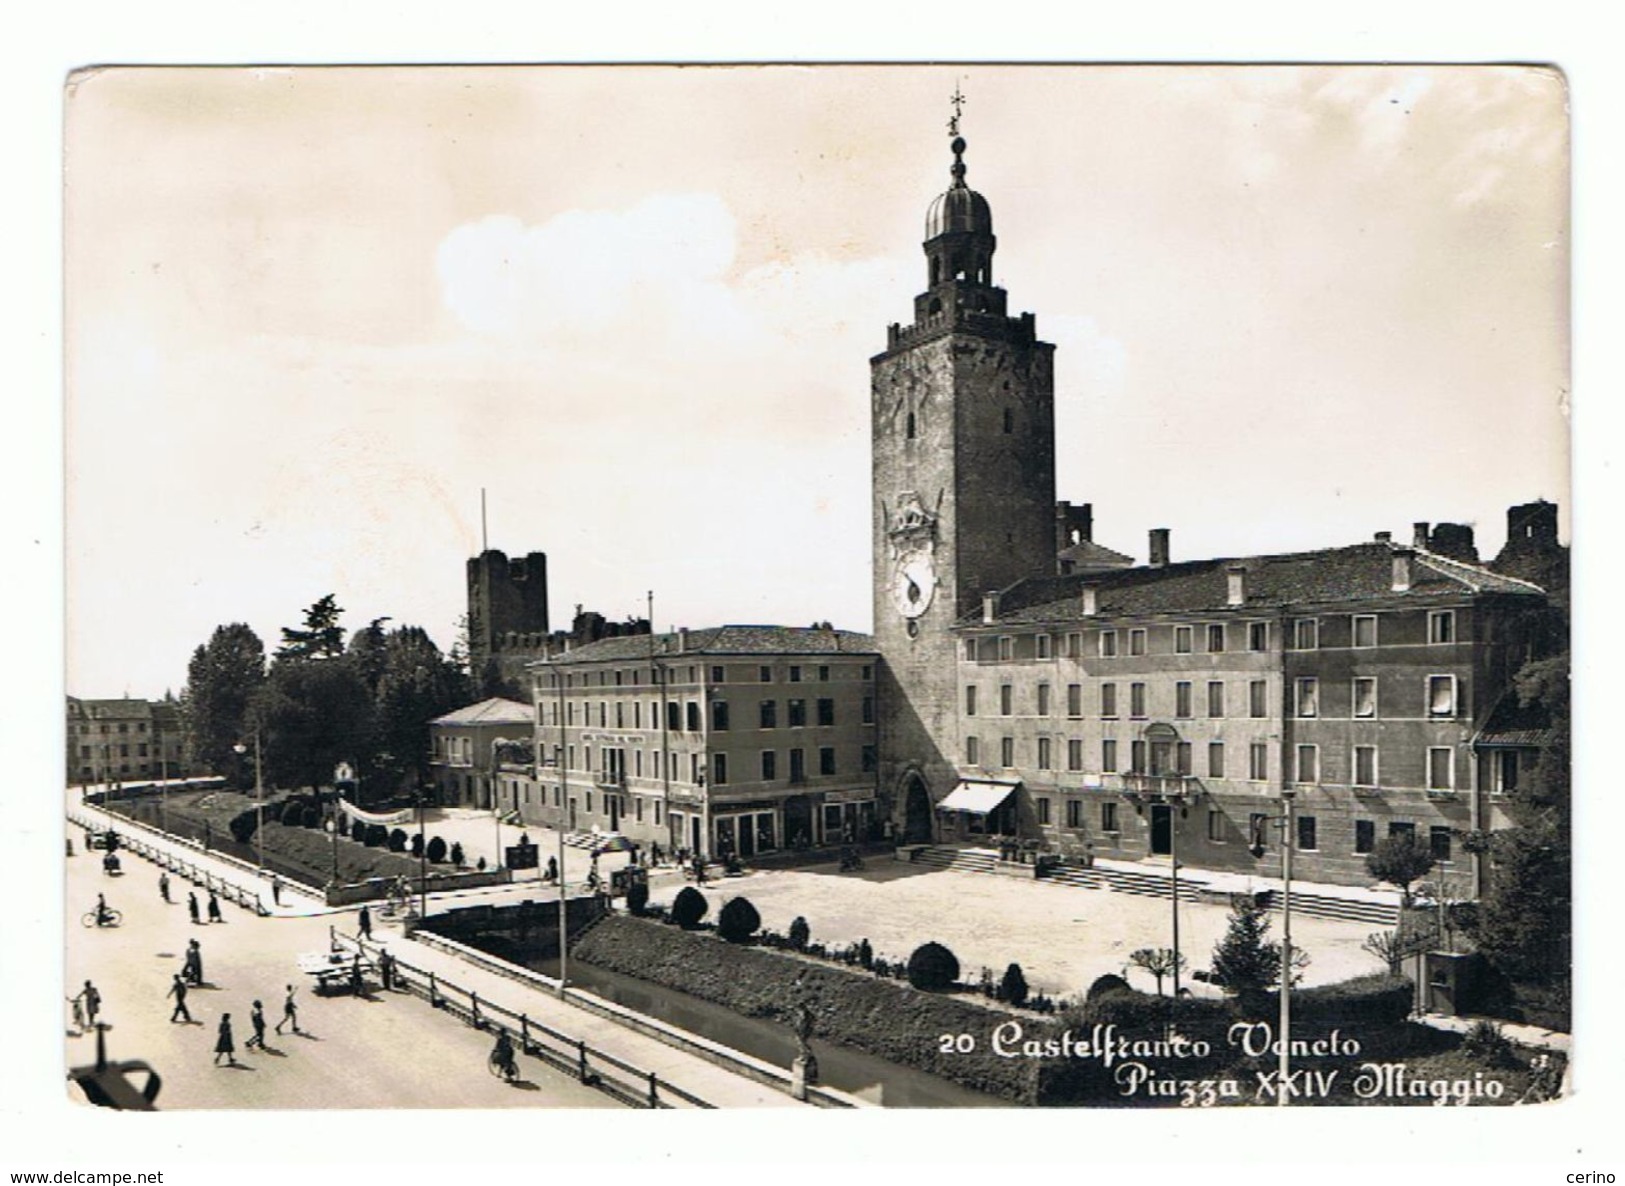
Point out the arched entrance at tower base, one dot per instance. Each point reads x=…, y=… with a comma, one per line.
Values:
x=917, y=814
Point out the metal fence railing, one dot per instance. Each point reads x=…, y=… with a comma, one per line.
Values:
x=596, y=1068
x=130, y=841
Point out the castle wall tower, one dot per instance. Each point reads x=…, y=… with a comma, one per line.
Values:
x=963, y=480
x=505, y=597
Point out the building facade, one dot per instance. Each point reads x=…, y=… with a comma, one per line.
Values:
x=115, y=741
x=474, y=752
x=738, y=740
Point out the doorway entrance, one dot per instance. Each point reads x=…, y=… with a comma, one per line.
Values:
x=1162, y=831
x=917, y=814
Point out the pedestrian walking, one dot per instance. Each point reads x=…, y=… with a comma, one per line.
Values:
x=276, y=890
x=163, y=886
x=366, y=923
x=178, y=991
x=386, y=970
x=256, y=1018
x=193, y=967
x=92, y=1001
x=214, y=908
x=290, y=1012
x=552, y=869
x=223, y=1043
x=357, y=985
x=192, y=907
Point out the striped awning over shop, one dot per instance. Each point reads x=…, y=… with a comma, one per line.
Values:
x=976, y=797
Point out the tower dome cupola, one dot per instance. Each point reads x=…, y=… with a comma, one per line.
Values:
x=959, y=241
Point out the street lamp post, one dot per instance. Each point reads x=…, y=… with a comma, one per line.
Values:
x=1287, y=839
x=423, y=859
x=259, y=798
x=1173, y=855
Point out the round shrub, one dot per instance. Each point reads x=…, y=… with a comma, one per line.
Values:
x=243, y=825
x=310, y=817
x=417, y=844
x=637, y=897
x=1105, y=984
x=358, y=832
x=932, y=967
x=397, y=840
x=738, y=920
x=688, y=908
x=457, y=853
x=800, y=934
x=377, y=836
x=1013, y=988
x=436, y=851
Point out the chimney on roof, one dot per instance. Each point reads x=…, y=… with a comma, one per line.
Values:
x=1091, y=601
x=682, y=639
x=1385, y=537
x=1159, y=547
x=1236, y=594
x=990, y=607
x=1402, y=569
x=1419, y=535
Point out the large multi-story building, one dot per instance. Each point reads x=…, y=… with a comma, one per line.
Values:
x=470, y=750
x=1035, y=684
x=112, y=741
x=736, y=739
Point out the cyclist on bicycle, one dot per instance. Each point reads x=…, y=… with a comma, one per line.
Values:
x=503, y=1055
x=103, y=915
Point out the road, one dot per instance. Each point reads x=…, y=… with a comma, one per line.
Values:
x=390, y=1052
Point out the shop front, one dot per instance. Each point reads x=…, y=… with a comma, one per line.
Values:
x=977, y=809
x=848, y=817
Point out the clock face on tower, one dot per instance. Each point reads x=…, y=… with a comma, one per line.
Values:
x=914, y=583
x=912, y=533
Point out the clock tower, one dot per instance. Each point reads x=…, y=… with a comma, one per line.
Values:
x=963, y=436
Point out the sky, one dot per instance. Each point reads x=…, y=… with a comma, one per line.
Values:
x=313, y=312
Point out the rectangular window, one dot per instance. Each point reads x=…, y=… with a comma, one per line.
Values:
x=970, y=650
x=1108, y=755
x=1074, y=646
x=719, y=715
x=693, y=717
x=1215, y=698
x=795, y=674
x=1258, y=636
x=1306, y=833
x=1108, y=817
x=1215, y=827
x=1043, y=753
x=1256, y=697
x=1074, y=754
x=797, y=713
x=1215, y=759
x=1441, y=768
x=764, y=674
x=1215, y=638
x=719, y=769
x=768, y=713
x=1308, y=763
x=770, y=765
x=1365, y=765
x=1007, y=752
x=970, y=700
x=1308, y=696
x=1365, y=630
x=1182, y=640
x=1136, y=642
x=973, y=752
x=1182, y=699
x=798, y=765
x=1402, y=830
x=1441, y=695
x=826, y=711
x=1007, y=699
x=1365, y=696
x=1258, y=761
x=1442, y=626
x=1258, y=827
x=1074, y=813
x=716, y=676
x=823, y=674
x=868, y=672
x=1043, y=811
x=1043, y=700
x=1305, y=634
x=1007, y=649
x=1439, y=842
x=1108, y=644
x=826, y=760
x=1182, y=759
x=1136, y=701
x=589, y=802
x=1365, y=835
x=1505, y=771
x=1074, y=700
x=1136, y=757
x=1043, y=646
x=868, y=710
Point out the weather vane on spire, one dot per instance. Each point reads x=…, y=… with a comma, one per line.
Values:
x=958, y=101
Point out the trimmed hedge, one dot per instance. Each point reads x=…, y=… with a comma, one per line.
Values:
x=436, y=851
x=933, y=967
x=688, y=908
x=738, y=920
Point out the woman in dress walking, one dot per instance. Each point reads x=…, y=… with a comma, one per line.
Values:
x=223, y=1043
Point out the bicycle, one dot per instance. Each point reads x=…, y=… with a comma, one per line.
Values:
x=78, y=1004
x=506, y=1069
x=112, y=919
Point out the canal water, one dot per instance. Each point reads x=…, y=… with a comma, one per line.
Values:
x=852, y=1071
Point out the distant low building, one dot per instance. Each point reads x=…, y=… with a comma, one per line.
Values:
x=124, y=740
x=470, y=749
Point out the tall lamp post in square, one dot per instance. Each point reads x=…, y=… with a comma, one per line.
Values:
x=259, y=797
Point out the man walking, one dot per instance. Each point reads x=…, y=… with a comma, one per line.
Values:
x=214, y=908
x=256, y=1018
x=192, y=969
x=290, y=1012
x=366, y=923
x=223, y=1043
x=163, y=886
x=276, y=890
x=93, y=1004
x=192, y=907
x=386, y=970
x=178, y=991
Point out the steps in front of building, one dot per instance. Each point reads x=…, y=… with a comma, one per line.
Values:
x=1158, y=883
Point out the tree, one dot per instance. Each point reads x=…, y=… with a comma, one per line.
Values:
x=321, y=637
x=1159, y=961
x=1385, y=945
x=1013, y=987
x=221, y=681
x=436, y=851
x=1400, y=861
x=738, y=920
x=457, y=853
x=932, y=967
x=688, y=908
x=799, y=934
x=313, y=715
x=1245, y=962
x=415, y=684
